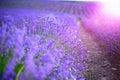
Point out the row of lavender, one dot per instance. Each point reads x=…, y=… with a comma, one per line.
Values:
x=40, y=47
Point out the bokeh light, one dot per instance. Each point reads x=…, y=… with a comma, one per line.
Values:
x=111, y=7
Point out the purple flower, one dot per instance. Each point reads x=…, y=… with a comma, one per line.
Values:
x=48, y=45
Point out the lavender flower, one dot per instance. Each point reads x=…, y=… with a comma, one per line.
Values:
x=48, y=45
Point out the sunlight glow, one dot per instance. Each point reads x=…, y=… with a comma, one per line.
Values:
x=111, y=7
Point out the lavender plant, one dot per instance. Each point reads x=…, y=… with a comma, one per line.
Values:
x=43, y=48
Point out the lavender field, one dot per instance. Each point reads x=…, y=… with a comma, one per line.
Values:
x=40, y=45
x=54, y=42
